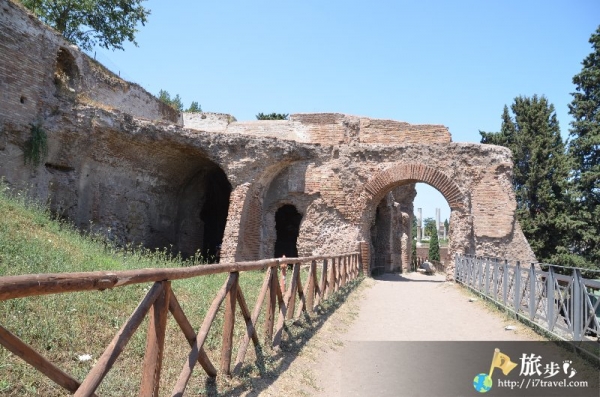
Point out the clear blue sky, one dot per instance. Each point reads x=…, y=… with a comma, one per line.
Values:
x=455, y=63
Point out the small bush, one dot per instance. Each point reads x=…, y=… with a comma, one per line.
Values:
x=36, y=147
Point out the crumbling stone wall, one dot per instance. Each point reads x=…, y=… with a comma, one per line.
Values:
x=322, y=128
x=122, y=164
x=43, y=75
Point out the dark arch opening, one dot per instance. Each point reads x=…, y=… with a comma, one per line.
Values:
x=287, y=226
x=202, y=214
x=214, y=213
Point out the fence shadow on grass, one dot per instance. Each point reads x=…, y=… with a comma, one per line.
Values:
x=298, y=333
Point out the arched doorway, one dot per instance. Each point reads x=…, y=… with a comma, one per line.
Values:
x=214, y=213
x=391, y=231
x=379, y=187
x=202, y=213
x=287, y=226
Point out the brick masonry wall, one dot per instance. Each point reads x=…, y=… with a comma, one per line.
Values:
x=30, y=85
x=325, y=128
x=127, y=171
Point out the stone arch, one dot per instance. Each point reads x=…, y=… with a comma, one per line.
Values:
x=378, y=186
x=383, y=182
x=244, y=238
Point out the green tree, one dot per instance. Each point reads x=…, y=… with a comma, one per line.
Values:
x=447, y=226
x=540, y=175
x=434, y=248
x=175, y=102
x=272, y=116
x=107, y=23
x=584, y=150
x=194, y=108
x=430, y=227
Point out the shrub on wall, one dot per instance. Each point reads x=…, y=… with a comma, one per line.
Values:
x=36, y=147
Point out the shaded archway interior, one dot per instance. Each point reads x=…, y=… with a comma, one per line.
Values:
x=390, y=214
x=287, y=226
x=391, y=231
x=202, y=213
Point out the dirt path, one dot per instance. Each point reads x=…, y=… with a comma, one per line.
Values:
x=410, y=307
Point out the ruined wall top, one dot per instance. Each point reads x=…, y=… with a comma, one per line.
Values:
x=42, y=72
x=323, y=128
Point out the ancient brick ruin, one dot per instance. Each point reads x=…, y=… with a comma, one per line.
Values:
x=121, y=162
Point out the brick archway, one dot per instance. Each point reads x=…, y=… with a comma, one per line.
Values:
x=378, y=186
x=383, y=182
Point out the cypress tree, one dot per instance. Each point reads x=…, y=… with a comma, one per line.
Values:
x=584, y=150
x=540, y=174
x=434, y=248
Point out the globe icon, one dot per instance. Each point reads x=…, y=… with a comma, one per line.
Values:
x=482, y=383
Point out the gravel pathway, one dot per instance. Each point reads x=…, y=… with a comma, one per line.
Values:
x=408, y=307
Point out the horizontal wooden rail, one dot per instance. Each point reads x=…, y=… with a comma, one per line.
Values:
x=285, y=299
x=52, y=283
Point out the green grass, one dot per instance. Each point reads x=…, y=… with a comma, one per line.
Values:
x=63, y=326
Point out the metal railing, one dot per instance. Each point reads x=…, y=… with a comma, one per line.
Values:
x=567, y=306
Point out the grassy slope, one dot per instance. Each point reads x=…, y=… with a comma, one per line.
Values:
x=63, y=326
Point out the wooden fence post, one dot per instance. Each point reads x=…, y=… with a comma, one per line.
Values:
x=251, y=328
x=271, y=305
x=310, y=291
x=291, y=295
x=21, y=349
x=192, y=358
x=116, y=346
x=155, y=342
x=333, y=282
x=324, y=277
x=365, y=256
x=228, y=324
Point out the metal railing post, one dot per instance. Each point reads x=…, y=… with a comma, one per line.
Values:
x=550, y=298
x=576, y=306
x=505, y=283
x=532, y=294
x=471, y=271
x=487, y=276
x=456, y=264
x=495, y=273
x=517, y=291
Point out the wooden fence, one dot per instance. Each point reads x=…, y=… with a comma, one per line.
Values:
x=336, y=271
